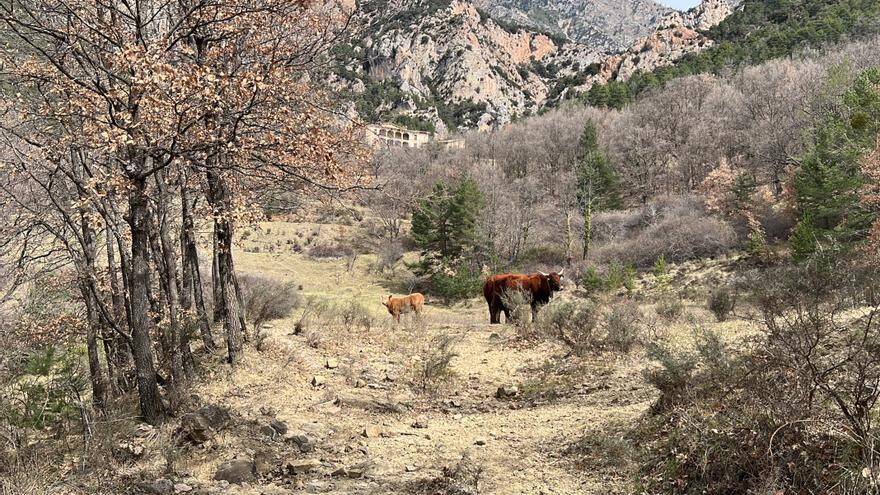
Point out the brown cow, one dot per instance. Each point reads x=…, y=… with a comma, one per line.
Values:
x=404, y=304
x=540, y=286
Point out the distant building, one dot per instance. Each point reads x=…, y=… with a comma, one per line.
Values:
x=389, y=135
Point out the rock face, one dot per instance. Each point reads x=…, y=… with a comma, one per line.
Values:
x=450, y=63
x=608, y=25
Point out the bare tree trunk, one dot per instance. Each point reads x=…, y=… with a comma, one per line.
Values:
x=122, y=352
x=148, y=390
x=87, y=286
x=219, y=308
x=233, y=321
x=192, y=278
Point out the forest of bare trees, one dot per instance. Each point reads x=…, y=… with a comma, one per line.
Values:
x=131, y=130
x=756, y=120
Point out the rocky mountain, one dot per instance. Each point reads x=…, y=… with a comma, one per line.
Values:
x=607, y=25
x=443, y=65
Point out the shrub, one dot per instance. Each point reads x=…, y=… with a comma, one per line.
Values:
x=519, y=304
x=389, y=253
x=669, y=307
x=46, y=390
x=313, y=309
x=722, y=302
x=353, y=315
x=572, y=322
x=330, y=250
x=678, y=229
x=591, y=280
x=266, y=299
x=623, y=327
x=432, y=369
x=544, y=255
x=621, y=276
x=462, y=282
x=789, y=410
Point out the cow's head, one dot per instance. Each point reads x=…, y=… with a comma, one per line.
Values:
x=554, y=279
x=386, y=301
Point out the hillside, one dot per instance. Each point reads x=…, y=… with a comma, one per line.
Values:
x=606, y=25
x=439, y=65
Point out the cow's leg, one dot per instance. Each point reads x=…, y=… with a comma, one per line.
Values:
x=534, y=311
x=506, y=315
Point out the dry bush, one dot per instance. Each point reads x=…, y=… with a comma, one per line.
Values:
x=519, y=305
x=678, y=229
x=313, y=309
x=790, y=410
x=722, y=302
x=463, y=478
x=432, y=370
x=572, y=322
x=330, y=250
x=624, y=327
x=265, y=300
x=354, y=315
x=31, y=477
x=669, y=307
x=389, y=254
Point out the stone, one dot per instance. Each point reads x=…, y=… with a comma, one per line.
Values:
x=420, y=423
x=390, y=376
x=480, y=441
x=182, y=488
x=316, y=487
x=317, y=381
x=267, y=411
x=278, y=426
x=410, y=468
x=269, y=431
x=201, y=425
x=302, y=466
x=331, y=364
x=161, y=486
x=236, y=471
x=303, y=440
x=360, y=383
x=507, y=391
x=371, y=432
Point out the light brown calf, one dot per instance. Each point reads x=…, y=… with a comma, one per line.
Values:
x=404, y=304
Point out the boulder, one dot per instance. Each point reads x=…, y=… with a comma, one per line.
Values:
x=317, y=381
x=202, y=424
x=331, y=364
x=236, y=471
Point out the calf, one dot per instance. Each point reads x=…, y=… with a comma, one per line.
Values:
x=404, y=304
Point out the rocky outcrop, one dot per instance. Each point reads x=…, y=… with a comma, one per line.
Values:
x=606, y=25
x=449, y=63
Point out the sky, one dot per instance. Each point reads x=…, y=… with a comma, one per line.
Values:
x=680, y=4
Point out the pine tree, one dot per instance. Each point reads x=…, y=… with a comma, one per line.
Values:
x=597, y=186
x=831, y=216
x=444, y=225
